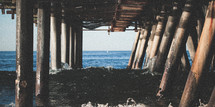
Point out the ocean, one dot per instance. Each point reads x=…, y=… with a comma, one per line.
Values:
x=96, y=84
x=113, y=59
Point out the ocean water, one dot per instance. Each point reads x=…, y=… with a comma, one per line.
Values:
x=114, y=59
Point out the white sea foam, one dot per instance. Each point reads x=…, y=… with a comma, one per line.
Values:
x=129, y=103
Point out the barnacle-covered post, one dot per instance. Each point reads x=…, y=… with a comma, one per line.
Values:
x=24, y=53
x=43, y=51
x=202, y=58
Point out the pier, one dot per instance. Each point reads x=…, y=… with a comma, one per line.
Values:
x=165, y=30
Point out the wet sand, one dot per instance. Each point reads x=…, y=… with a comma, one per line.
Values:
x=102, y=86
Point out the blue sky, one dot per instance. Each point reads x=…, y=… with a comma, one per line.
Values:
x=92, y=40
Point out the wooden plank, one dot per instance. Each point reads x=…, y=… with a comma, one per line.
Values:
x=130, y=8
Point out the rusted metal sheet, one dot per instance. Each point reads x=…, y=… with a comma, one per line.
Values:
x=24, y=54
x=43, y=47
x=202, y=58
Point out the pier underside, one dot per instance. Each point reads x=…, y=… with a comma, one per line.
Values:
x=166, y=29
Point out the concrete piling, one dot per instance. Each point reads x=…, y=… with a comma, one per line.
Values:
x=24, y=54
x=43, y=51
x=202, y=58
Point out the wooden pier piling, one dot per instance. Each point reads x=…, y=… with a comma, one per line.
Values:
x=43, y=51
x=65, y=32
x=202, y=58
x=166, y=40
x=134, y=48
x=138, y=48
x=158, y=34
x=71, y=46
x=24, y=54
x=78, y=46
x=149, y=45
x=176, y=49
x=143, y=46
x=56, y=35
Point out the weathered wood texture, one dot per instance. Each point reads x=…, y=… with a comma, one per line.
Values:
x=43, y=51
x=78, y=46
x=166, y=40
x=176, y=49
x=134, y=48
x=143, y=47
x=56, y=36
x=71, y=47
x=158, y=35
x=65, y=32
x=138, y=49
x=149, y=45
x=24, y=54
x=202, y=58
